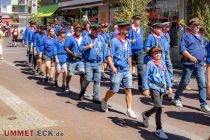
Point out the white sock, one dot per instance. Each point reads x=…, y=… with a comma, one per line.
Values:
x=129, y=109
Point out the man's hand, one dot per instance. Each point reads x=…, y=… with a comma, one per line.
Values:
x=194, y=60
x=91, y=45
x=40, y=56
x=146, y=93
x=134, y=40
x=114, y=70
x=170, y=91
x=75, y=55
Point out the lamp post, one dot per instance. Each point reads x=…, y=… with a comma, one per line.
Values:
x=26, y=13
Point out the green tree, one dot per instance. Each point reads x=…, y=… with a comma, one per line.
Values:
x=133, y=7
x=39, y=3
x=200, y=9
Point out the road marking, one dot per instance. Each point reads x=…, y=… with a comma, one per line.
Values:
x=26, y=117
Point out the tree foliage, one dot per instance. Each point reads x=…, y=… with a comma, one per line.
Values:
x=133, y=7
x=200, y=9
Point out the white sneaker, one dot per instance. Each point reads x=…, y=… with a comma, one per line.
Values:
x=205, y=108
x=161, y=134
x=178, y=103
x=131, y=114
x=104, y=106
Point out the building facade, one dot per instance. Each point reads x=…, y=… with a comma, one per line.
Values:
x=15, y=11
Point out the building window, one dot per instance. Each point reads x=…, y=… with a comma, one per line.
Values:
x=14, y=8
x=92, y=13
x=4, y=8
x=22, y=2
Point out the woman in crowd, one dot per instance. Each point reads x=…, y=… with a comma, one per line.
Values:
x=60, y=58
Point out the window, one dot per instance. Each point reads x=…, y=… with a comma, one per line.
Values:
x=4, y=8
x=14, y=8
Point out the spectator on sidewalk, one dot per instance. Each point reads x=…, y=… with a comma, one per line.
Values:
x=1, y=45
x=15, y=34
x=120, y=63
x=156, y=80
x=192, y=47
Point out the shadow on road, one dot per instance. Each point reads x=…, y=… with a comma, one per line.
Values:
x=195, y=117
x=147, y=135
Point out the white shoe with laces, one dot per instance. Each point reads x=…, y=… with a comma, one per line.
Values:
x=131, y=114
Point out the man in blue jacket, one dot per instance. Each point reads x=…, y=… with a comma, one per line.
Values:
x=93, y=47
x=75, y=60
x=28, y=40
x=192, y=47
x=136, y=37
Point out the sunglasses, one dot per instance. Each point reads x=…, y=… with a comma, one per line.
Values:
x=78, y=30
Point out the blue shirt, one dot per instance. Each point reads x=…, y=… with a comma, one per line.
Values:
x=138, y=44
x=28, y=35
x=36, y=38
x=48, y=47
x=114, y=33
x=39, y=42
x=121, y=53
x=105, y=36
x=57, y=29
x=195, y=46
x=208, y=53
x=166, y=37
x=93, y=56
x=152, y=41
x=84, y=33
x=59, y=51
x=154, y=76
x=72, y=44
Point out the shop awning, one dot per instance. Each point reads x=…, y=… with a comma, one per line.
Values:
x=47, y=11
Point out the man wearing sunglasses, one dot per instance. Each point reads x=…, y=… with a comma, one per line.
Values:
x=75, y=60
x=93, y=47
x=192, y=47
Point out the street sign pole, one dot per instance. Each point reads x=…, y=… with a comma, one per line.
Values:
x=26, y=13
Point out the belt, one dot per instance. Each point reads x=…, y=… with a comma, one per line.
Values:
x=93, y=61
x=159, y=85
x=120, y=68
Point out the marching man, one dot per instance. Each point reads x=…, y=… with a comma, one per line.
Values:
x=121, y=70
